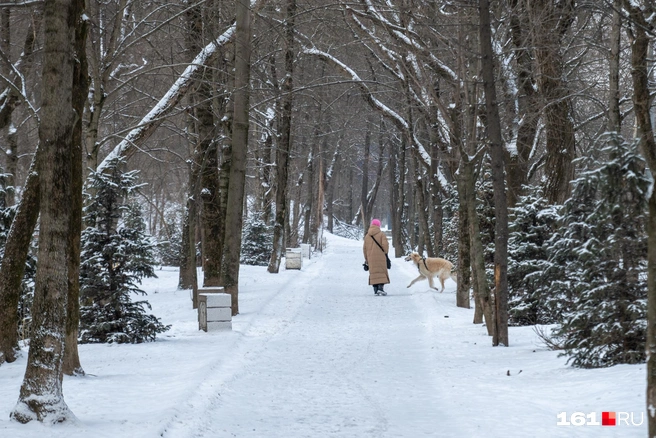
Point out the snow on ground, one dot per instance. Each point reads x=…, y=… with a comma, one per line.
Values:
x=314, y=353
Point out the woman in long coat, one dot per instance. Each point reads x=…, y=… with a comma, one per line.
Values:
x=375, y=257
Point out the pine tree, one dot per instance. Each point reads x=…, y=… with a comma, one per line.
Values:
x=116, y=255
x=533, y=224
x=606, y=243
x=257, y=241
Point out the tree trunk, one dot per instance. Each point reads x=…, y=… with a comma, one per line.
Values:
x=498, y=180
x=13, y=261
x=207, y=147
x=422, y=211
x=41, y=396
x=188, y=272
x=11, y=98
x=72, y=365
x=364, y=190
x=550, y=21
x=482, y=297
x=437, y=213
x=528, y=111
x=651, y=316
x=614, y=117
x=12, y=267
x=284, y=144
x=187, y=278
x=641, y=103
x=209, y=186
x=398, y=196
x=235, y=211
x=331, y=182
x=464, y=249
x=318, y=216
x=310, y=196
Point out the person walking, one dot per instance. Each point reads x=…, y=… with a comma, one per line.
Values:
x=375, y=250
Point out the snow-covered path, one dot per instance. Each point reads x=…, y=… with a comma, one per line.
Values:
x=338, y=361
x=314, y=353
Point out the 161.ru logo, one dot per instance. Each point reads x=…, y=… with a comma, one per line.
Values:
x=607, y=419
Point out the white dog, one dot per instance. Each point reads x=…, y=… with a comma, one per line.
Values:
x=430, y=267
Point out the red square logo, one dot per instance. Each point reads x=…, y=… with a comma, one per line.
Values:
x=608, y=418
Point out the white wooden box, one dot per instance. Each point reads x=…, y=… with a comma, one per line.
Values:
x=305, y=250
x=293, y=258
x=214, y=310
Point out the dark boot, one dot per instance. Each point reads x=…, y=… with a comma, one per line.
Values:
x=376, y=289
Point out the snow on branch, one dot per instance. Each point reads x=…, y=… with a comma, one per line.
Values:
x=366, y=93
x=25, y=3
x=398, y=121
x=154, y=118
x=399, y=33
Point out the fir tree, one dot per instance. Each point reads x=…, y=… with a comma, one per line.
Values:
x=606, y=247
x=116, y=255
x=257, y=241
x=534, y=223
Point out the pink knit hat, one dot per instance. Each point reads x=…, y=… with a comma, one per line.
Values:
x=375, y=222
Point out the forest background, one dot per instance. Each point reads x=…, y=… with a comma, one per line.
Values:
x=515, y=139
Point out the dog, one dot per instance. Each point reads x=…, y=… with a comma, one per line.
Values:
x=430, y=267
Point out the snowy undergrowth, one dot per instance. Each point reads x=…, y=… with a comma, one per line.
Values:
x=314, y=353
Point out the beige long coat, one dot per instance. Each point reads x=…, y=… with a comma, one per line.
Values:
x=374, y=257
